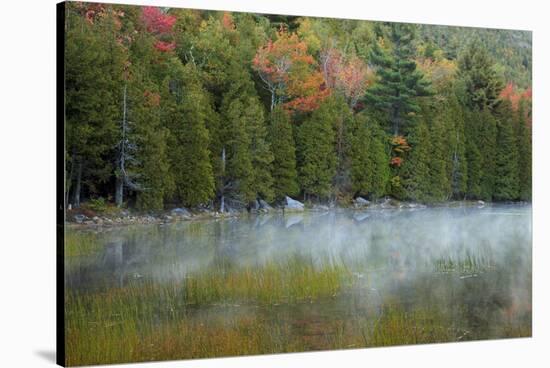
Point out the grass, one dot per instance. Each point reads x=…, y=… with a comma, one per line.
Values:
x=228, y=309
x=81, y=243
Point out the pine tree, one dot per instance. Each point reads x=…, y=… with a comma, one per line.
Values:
x=458, y=167
x=399, y=82
x=281, y=139
x=316, y=155
x=506, y=160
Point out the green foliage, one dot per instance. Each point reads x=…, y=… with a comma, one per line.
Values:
x=316, y=154
x=416, y=169
x=399, y=82
x=370, y=168
x=285, y=177
x=185, y=116
x=524, y=151
x=483, y=83
x=189, y=119
x=507, y=159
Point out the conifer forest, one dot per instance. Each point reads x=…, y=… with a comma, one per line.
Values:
x=196, y=108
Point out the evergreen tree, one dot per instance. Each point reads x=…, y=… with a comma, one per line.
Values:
x=93, y=89
x=440, y=185
x=506, y=160
x=399, y=81
x=369, y=158
x=416, y=168
x=316, y=155
x=284, y=154
x=487, y=144
x=473, y=154
x=524, y=152
x=482, y=82
x=185, y=115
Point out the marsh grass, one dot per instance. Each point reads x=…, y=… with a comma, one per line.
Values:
x=231, y=309
x=81, y=243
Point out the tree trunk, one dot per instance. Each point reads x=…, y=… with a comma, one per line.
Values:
x=78, y=185
x=119, y=189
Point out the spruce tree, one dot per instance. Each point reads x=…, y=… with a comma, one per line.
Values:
x=281, y=140
x=473, y=155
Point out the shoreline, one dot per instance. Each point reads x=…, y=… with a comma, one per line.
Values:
x=86, y=218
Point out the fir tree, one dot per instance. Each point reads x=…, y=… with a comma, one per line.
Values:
x=524, y=151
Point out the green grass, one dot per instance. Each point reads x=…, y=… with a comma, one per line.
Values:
x=227, y=310
x=81, y=243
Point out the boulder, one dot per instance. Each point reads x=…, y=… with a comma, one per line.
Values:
x=293, y=204
x=79, y=218
x=320, y=208
x=180, y=212
x=264, y=205
x=360, y=202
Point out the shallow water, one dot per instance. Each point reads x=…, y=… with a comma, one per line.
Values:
x=469, y=266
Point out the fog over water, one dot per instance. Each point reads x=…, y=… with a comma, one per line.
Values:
x=474, y=263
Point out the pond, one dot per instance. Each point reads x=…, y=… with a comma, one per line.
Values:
x=297, y=282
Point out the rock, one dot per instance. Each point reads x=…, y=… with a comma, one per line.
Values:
x=264, y=205
x=320, y=208
x=293, y=204
x=181, y=212
x=480, y=204
x=124, y=213
x=361, y=216
x=168, y=217
x=360, y=202
x=80, y=218
x=293, y=220
x=390, y=203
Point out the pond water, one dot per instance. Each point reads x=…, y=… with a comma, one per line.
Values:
x=394, y=276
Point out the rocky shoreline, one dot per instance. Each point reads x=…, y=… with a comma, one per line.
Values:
x=84, y=217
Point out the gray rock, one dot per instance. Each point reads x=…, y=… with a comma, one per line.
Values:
x=361, y=202
x=80, y=218
x=320, y=208
x=264, y=205
x=361, y=216
x=181, y=212
x=293, y=204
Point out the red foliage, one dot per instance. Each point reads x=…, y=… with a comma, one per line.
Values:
x=285, y=66
x=227, y=21
x=396, y=161
x=347, y=76
x=152, y=98
x=165, y=46
x=156, y=21
x=511, y=94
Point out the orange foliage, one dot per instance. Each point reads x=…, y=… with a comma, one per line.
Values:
x=285, y=66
